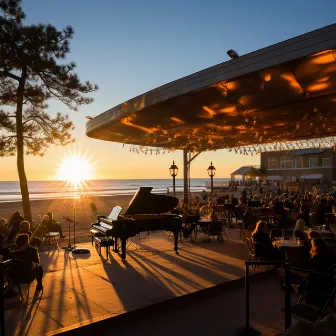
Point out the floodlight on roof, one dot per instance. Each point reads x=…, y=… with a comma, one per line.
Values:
x=233, y=54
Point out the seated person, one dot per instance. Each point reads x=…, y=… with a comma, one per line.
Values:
x=3, y=229
x=4, y=252
x=204, y=195
x=33, y=241
x=321, y=211
x=299, y=229
x=248, y=220
x=278, y=207
x=304, y=214
x=321, y=258
x=313, y=234
x=264, y=247
x=31, y=261
x=52, y=225
x=14, y=224
x=41, y=229
x=234, y=200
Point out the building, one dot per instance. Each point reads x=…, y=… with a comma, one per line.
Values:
x=315, y=165
x=246, y=173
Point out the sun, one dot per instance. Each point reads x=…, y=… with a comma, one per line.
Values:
x=75, y=169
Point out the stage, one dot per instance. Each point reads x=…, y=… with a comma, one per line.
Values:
x=86, y=288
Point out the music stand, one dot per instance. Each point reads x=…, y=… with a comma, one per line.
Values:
x=73, y=248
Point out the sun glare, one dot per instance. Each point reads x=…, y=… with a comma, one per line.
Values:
x=75, y=169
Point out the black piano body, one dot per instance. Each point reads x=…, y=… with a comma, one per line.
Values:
x=145, y=212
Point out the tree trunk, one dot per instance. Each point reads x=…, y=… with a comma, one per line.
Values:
x=20, y=149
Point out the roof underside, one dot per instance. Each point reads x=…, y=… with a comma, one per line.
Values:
x=285, y=92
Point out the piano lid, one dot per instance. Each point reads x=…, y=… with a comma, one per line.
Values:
x=144, y=202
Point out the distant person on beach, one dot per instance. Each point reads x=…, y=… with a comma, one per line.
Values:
x=14, y=224
x=52, y=225
x=204, y=195
x=3, y=229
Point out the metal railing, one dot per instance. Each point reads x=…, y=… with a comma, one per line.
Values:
x=288, y=276
x=288, y=315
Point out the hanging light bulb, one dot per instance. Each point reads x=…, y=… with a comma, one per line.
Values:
x=267, y=77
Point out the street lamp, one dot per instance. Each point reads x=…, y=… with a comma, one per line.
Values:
x=211, y=173
x=173, y=172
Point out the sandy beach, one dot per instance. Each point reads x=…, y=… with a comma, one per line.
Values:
x=64, y=207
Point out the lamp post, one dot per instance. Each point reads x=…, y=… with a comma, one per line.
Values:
x=173, y=172
x=211, y=173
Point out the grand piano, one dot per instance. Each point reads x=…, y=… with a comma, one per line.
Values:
x=145, y=212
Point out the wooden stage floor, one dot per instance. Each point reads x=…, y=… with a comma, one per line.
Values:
x=84, y=288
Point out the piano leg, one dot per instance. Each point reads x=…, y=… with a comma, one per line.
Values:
x=176, y=236
x=123, y=248
x=116, y=250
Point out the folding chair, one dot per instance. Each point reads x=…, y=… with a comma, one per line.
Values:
x=16, y=275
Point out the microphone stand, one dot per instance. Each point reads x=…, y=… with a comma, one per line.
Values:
x=71, y=247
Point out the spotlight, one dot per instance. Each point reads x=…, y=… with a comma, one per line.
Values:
x=233, y=54
x=88, y=117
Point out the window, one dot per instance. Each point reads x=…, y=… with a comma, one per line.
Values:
x=273, y=162
x=313, y=162
x=286, y=162
x=325, y=162
x=298, y=162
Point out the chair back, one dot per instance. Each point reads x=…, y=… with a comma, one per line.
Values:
x=247, y=234
x=249, y=244
x=40, y=231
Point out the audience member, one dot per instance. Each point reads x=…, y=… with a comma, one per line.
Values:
x=263, y=245
x=4, y=252
x=299, y=229
x=3, y=229
x=33, y=241
x=31, y=267
x=53, y=226
x=304, y=215
x=14, y=224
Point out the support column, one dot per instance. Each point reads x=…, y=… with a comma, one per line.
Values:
x=185, y=174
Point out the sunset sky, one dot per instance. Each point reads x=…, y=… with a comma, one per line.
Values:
x=130, y=47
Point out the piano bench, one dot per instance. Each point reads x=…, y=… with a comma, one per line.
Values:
x=95, y=233
x=103, y=242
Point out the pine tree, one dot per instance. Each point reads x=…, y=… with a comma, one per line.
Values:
x=30, y=74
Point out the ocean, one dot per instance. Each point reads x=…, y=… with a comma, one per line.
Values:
x=10, y=191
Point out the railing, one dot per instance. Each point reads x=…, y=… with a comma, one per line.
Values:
x=288, y=315
x=288, y=272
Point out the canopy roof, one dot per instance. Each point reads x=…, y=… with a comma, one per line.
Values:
x=284, y=92
x=247, y=170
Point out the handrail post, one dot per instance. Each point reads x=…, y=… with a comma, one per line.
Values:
x=288, y=313
x=247, y=297
x=2, y=303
